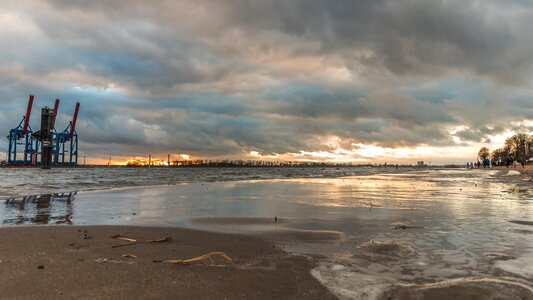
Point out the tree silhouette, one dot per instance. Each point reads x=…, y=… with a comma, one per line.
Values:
x=517, y=145
x=499, y=155
x=483, y=153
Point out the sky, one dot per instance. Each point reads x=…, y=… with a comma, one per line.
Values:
x=354, y=81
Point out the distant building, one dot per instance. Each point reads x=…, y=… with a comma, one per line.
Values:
x=420, y=163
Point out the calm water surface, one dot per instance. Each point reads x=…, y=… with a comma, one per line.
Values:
x=15, y=182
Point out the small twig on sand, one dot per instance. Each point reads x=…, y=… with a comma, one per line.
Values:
x=134, y=241
x=165, y=239
x=130, y=255
x=127, y=239
x=197, y=258
x=122, y=245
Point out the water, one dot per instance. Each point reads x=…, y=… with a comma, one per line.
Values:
x=458, y=223
x=16, y=182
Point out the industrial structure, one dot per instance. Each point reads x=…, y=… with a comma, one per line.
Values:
x=66, y=142
x=45, y=147
x=22, y=135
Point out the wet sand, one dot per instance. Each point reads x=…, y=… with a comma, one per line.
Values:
x=275, y=230
x=79, y=262
x=527, y=169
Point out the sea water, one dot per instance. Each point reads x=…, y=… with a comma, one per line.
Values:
x=15, y=182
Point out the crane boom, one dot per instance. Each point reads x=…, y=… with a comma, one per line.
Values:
x=74, y=119
x=27, y=117
x=56, y=107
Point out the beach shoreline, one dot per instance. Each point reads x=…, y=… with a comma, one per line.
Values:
x=80, y=262
x=527, y=169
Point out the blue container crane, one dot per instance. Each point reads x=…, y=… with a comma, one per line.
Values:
x=66, y=143
x=63, y=145
x=22, y=136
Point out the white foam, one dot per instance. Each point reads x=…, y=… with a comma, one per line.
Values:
x=513, y=173
x=348, y=282
x=522, y=265
x=481, y=280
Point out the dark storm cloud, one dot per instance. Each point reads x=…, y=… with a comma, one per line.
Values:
x=220, y=78
x=347, y=105
x=406, y=37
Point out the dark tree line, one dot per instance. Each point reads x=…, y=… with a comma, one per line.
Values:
x=252, y=163
x=517, y=148
x=228, y=163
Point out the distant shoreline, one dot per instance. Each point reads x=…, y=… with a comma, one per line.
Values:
x=388, y=166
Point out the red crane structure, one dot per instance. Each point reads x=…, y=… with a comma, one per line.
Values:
x=28, y=115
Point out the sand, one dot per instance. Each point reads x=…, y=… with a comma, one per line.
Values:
x=527, y=169
x=56, y=262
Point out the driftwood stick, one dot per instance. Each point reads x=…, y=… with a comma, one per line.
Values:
x=198, y=258
x=134, y=241
x=122, y=245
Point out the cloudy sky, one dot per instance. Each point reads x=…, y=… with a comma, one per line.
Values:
x=344, y=80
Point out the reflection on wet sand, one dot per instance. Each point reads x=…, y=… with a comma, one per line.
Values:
x=39, y=209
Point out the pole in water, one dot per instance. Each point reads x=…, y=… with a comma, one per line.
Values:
x=149, y=160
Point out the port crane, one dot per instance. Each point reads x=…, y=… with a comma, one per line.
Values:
x=46, y=146
x=66, y=142
x=22, y=135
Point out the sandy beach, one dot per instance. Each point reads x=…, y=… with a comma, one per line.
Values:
x=127, y=262
x=527, y=169
x=79, y=262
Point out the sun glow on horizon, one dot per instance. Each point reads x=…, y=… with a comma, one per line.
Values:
x=336, y=151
